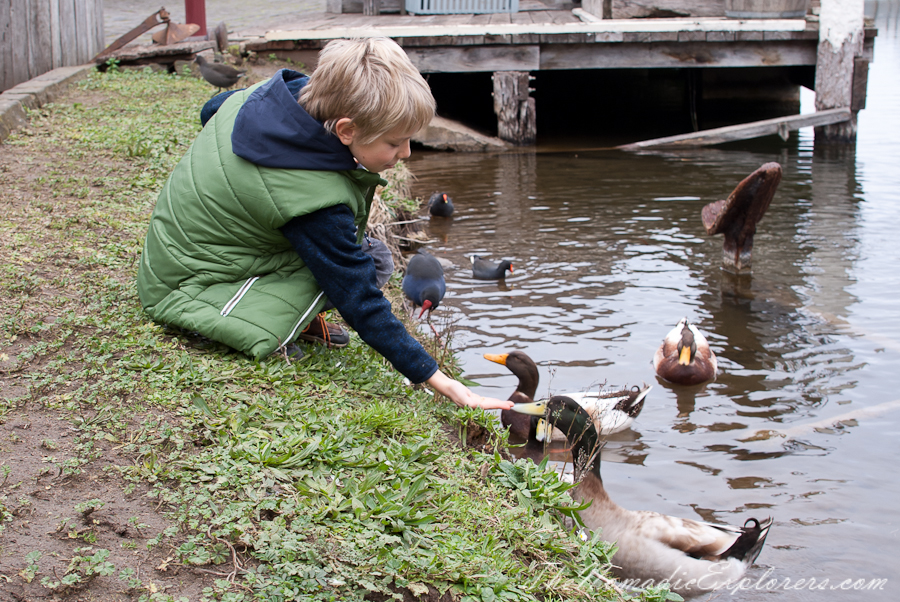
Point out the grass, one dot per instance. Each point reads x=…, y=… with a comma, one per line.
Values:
x=326, y=478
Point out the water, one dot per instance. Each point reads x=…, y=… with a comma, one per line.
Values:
x=609, y=253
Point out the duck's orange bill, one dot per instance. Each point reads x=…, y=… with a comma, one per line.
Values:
x=685, y=357
x=497, y=358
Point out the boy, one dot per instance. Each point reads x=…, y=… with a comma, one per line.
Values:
x=260, y=223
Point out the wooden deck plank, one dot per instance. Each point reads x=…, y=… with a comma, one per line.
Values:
x=756, y=129
x=675, y=55
x=775, y=29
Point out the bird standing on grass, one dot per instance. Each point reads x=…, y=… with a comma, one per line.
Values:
x=690, y=555
x=423, y=283
x=219, y=75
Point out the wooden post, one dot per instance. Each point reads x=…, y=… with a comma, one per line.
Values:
x=371, y=7
x=515, y=109
x=195, y=12
x=841, y=37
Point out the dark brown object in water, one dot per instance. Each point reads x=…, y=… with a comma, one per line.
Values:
x=736, y=217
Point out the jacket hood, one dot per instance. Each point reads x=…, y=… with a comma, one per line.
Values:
x=272, y=130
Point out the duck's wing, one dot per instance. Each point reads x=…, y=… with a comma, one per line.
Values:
x=696, y=539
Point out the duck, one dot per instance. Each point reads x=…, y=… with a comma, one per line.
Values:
x=522, y=366
x=692, y=556
x=440, y=204
x=483, y=269
x=423, y=284
x=613, y=411
x=684, y=357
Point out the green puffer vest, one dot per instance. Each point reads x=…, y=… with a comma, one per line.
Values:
x=214, y=260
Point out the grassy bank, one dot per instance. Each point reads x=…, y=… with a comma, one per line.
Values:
x=138, y=463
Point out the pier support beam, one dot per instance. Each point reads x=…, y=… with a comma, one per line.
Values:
x=515, y=109
x=839, y=64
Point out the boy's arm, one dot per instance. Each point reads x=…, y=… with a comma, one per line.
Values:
x=326, y=240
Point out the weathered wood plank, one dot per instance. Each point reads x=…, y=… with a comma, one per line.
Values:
x=55, y=48
x=860, y=83
x=695, y=36
x=82, y=30
x=767, y=127
x=522, y=18
x=651, y=36
x=6, y=47
x=67, y=33
x=479, y=25
x=41, y=60
x=642, y=9
x=720, y=36
x=675, y=55
x=462, y=59
x=18, y=14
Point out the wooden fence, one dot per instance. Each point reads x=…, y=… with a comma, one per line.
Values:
x=39, y=35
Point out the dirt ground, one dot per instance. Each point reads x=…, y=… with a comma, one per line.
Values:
x=42, y=510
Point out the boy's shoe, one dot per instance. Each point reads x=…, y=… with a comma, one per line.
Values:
x=320, y=331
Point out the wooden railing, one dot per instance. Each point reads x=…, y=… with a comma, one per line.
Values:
x=39, y=35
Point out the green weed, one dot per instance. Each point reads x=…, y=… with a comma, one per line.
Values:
x=321, y=479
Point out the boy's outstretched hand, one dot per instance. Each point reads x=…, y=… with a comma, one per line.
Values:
x=462, y=396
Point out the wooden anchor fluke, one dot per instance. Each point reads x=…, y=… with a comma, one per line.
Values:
x=736, y=217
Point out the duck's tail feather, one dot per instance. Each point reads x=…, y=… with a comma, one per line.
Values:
x=750, y=542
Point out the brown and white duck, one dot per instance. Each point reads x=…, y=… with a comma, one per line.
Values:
x=613, y=411
x=692, y=556
x=684, y=357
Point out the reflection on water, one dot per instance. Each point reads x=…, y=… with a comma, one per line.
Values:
x=609, y=253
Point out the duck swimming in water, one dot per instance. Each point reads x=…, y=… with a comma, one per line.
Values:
x=684, y=357
x=613, y=411
x=692, y=556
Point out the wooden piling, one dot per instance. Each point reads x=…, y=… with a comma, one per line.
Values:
x=515, y=109
x=841, y=68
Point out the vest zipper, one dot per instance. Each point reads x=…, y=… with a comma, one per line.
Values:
x=237, y=297
x=315, y=302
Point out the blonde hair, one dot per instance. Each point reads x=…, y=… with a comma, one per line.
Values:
x=371, y=81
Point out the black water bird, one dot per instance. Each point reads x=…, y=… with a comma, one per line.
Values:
x=219, y=75
x=692, y=556
x=423, y=283
x=684, y=357
x=483, y=269
x=440, y=204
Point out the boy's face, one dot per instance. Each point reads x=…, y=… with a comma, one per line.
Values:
x=380, y=154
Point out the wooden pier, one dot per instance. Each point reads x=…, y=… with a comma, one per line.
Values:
x=540, y=37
